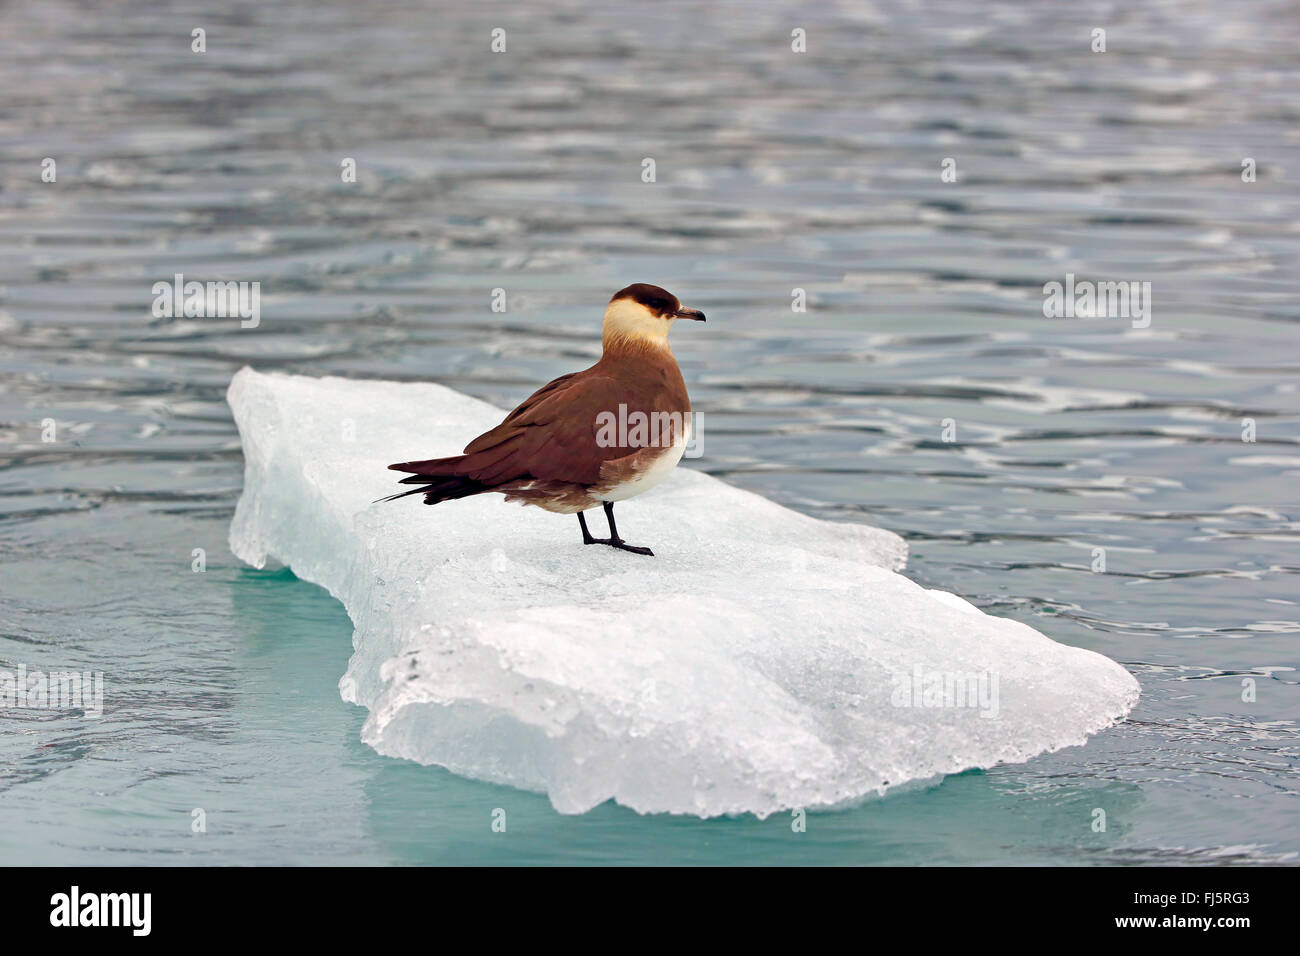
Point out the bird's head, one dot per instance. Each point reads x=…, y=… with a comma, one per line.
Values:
x=642, y=314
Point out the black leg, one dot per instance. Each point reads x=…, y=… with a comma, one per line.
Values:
x=609, y=519
x=614, y=541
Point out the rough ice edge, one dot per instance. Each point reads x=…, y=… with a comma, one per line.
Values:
x=584, y=745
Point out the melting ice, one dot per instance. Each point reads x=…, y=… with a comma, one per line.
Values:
x=762, y=661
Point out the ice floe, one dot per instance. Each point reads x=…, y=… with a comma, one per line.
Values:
x=762, y=661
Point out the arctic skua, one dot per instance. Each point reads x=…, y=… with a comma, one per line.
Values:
x=589, y=438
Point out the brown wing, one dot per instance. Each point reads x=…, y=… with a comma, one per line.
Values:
x=551, y=436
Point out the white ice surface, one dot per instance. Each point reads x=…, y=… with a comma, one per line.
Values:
x=749, y=667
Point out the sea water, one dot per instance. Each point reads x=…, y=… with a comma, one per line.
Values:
x=1130, y=491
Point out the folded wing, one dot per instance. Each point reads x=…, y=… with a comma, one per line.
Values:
x=551, y=436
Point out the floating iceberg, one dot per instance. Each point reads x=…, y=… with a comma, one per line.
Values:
x=762, y=661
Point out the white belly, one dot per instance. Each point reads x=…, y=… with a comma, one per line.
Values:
x=659, y=469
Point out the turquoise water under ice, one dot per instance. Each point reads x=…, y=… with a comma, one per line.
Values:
x=774, y=171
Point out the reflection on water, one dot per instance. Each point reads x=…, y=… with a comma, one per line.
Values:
x=775, y=171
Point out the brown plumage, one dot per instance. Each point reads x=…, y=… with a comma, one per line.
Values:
x=558, y=451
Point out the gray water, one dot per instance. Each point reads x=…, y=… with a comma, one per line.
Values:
x=774, y=171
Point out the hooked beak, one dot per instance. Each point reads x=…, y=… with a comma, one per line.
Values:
x=694, y=314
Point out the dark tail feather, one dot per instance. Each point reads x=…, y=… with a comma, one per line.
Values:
x=430, y=467
x=436, y=488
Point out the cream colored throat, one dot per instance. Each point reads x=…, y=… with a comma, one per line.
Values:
x=628, y=322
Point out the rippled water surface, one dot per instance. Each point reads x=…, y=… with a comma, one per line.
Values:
x=775, y=171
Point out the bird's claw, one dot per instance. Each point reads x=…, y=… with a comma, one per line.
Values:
x=620, y=544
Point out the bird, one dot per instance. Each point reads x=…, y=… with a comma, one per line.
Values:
x=589, y=438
